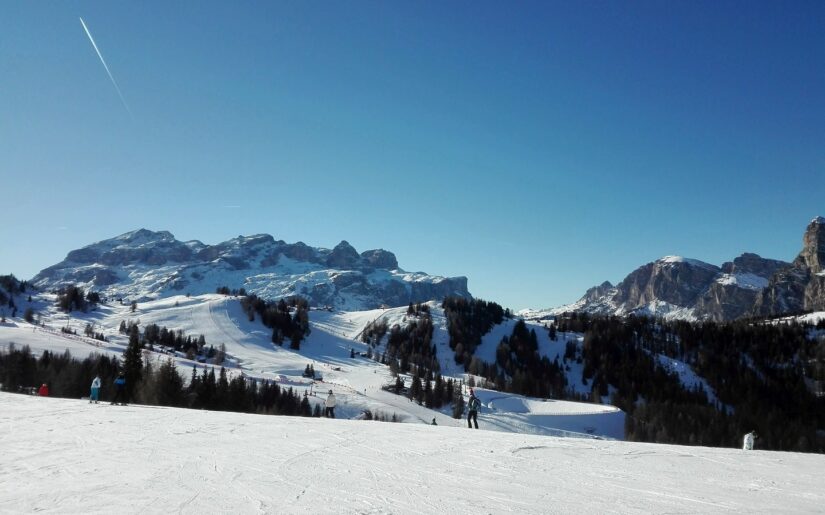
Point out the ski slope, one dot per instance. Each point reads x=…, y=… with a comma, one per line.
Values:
x=357, y=382
x=68, y=456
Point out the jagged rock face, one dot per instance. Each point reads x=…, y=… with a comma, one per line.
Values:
x=749, y=285
x=145, y=264
x=671, y=280
x=380, y=258
x=800, y=286
x=785, y=293
x=598, y=292
x=815, y=293
x=722, y=302
x=301, y=252
x=343, y=256
x=733, y=294
x=749, y=263
x=813, y=247
x=676, y=287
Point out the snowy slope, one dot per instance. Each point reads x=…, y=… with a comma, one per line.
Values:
x=66, y=456
x=356, y=382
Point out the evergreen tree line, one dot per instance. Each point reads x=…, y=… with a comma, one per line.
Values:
x=224, y=290
x=154, y=334
x=467, y=321
x=758, y=372
x=430, y=390
x=9, y=287
x=73, y=298
x=521, y=369
x=763, y=373
x=156, y=384
x=277, y=316
x=374, y=332
x=518, y=368
x=410, y=350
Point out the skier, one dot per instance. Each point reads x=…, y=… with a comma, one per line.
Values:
x=120, y=390
x=434, y=424
x=44, y=390
x=747, y=441
x=472, y=409
x=95, y=393
x=329, y=405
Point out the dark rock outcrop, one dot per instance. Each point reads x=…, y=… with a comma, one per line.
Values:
x=801, y=286
x=380, y=258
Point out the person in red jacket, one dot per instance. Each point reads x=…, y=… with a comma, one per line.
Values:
x=44, y=390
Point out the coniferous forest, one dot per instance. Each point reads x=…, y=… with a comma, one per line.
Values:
x=763, y=373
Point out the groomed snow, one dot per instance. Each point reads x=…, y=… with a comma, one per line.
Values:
x=67, y=456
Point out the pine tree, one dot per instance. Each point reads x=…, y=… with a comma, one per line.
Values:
x=132, y=361
x=458, y=403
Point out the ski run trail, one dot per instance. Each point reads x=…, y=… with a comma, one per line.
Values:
x=69, y=456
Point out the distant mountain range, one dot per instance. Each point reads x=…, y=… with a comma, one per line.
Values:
x=677, y=287
x=143, y=264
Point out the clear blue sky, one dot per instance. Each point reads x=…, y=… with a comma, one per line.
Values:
x=539, y=148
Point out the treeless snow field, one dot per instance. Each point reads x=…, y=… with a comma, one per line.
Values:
x=68, y=456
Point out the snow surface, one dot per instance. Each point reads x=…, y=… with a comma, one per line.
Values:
x=680, y=259
x=68, y=456
x=747, y=281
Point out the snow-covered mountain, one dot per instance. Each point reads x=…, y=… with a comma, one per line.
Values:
x=143, y=264
x=678, y=287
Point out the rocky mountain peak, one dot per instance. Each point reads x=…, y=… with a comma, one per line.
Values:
x=813, y=246
x=380, y=258
x=750, y=263
x=343, y=255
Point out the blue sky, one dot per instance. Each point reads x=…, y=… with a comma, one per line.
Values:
x=539, y=148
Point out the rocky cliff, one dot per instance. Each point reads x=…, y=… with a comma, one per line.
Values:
x=676, y=287
x=801, y=286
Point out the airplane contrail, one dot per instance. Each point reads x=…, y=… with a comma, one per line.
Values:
x=106, y=67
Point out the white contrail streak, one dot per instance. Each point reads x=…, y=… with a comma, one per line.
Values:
x=106, y=67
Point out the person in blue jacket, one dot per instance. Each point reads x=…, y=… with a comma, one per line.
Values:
x=120, y=389
x=95, y=392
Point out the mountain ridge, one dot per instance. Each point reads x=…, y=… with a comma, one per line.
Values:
x=684, y=288
x=144, y=264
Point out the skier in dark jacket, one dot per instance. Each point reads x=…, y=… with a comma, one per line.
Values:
x=472, y=409
x=120, y=390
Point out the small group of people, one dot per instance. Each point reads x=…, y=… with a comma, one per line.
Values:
x=120, y=390
x=94, y=392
